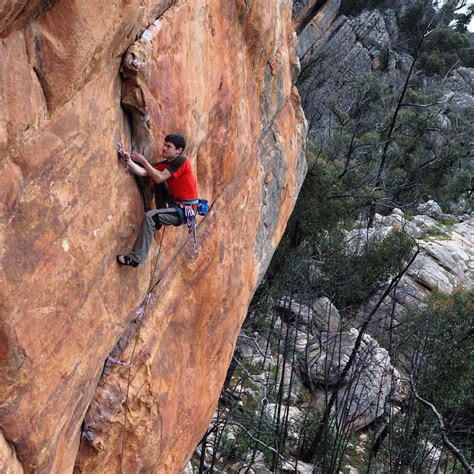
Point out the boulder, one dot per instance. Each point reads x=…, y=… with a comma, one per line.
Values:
x=254, y=463
x=424, y=221
x=321, y=316
x=431, y=209
x=397, y=212
x=449, y=255
x=294, y=414
x=395, y=220
x=296, y=466
x=428, y=273
x=363, y=393
x=326, y=316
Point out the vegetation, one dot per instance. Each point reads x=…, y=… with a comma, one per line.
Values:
x=412, y=154
x=444, y=46
x=392, y=144
x=440, y=335
x=355, y=7
x=349, y=272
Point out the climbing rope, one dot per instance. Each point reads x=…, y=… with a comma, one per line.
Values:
x=151, y=286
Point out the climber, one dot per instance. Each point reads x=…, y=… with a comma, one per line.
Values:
x=175, y=170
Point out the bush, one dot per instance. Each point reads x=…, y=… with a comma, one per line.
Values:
x=441, y=334
x=356, y=7
x=443, y=50
x=444, y=47
x=444, y=330
x=352, y=277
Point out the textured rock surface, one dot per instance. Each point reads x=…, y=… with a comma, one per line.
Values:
x=345, y=50
x=15, y=14
x=322, y=316
x=9, y=463
x=336, y=50
x=315, y=32
x=459, y=90
x=364, y=392
x=221, y=74
x=431, y=209
x=446, y=260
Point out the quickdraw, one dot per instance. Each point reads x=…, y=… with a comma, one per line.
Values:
x=188, y=215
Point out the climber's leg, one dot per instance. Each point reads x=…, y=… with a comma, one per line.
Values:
x=167, y=216
x=152, y=221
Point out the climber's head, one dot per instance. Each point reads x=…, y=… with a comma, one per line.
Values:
x=174, y=145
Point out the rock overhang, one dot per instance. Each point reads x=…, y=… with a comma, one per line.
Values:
x=223, y=76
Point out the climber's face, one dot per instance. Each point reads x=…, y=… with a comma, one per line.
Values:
x=170, y=152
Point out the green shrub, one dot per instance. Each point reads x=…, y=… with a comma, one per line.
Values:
x=444, y=46
x=352, y=277
x=355, y=7
x=442, y=334
x=431, y=231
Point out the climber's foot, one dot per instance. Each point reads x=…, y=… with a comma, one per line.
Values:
x=127, y=261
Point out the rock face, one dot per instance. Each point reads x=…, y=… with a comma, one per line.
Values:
x=445, y=261
x=221, y=74
x=336, y=50
x=8, y=460
x=344, y=50
x=314, y=33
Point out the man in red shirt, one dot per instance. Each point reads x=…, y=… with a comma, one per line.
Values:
x=175, y=169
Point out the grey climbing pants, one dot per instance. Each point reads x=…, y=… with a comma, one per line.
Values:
x=152, y=222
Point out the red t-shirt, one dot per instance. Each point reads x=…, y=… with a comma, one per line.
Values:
x=182, y=183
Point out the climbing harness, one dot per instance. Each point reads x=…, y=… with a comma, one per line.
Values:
x=187, y=213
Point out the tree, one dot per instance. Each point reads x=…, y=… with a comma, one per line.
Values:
x=447, y=44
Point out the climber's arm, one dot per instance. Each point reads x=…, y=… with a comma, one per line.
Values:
x=134, y=168
x=156, y=175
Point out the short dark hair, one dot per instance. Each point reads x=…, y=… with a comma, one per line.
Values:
x=177, y=140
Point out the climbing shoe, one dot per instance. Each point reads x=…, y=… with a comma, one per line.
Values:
x=126, y=260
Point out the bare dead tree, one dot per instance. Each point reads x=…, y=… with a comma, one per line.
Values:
x=442, y=426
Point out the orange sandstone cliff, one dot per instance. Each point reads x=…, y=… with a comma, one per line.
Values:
x=76, y=77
